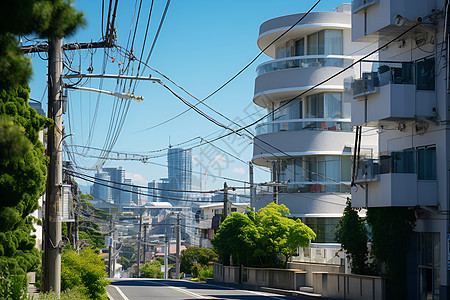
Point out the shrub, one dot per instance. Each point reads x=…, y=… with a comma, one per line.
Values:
x=72, y=294
x=152, y=270
x=85, y=271
x=13, y=287
x=202, y=272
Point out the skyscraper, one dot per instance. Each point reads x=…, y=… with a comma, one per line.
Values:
x=179, y=164
x=117, y=177
x=101, y=190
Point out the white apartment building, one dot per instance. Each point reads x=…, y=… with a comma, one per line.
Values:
x=308, y=142
x=403, y=96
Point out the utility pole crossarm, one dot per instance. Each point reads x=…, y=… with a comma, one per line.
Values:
x=115, y=94
x=71, y=46
x=112, y=76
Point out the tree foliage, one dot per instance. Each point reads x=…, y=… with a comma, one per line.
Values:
x=193, y=255
x=85, y=271
x=351, y=232
x=152, y=270
x=260, y=238
x=392, y=229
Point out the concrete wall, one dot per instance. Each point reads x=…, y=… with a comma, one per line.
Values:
x=262, y=277
x=349, y=286
x=275, y=278
x=311, y=268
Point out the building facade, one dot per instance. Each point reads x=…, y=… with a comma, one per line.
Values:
x=403, y=96
x=179, y=167
x=158, y=190
x=101, y=190
x=307, y=138
x=117, y=177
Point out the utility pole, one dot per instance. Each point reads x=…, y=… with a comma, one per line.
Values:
x=178, y=247
x=166, y=255
x=51, y=280
x=110, y=249
x=139, y=246
x=226, y=205
x=252, y=185
x=275, y=180
x=145, y=242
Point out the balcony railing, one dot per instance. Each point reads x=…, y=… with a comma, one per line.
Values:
x=420, y=161
x=303, y=124
x=420, y=73
x=316, y=187
x=303, y=62
x=358, y=5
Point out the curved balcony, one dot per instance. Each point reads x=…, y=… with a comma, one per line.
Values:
x=300, y=143
x=303, y=124
x=312, y=61
x=314, y=21
x=289, y=83
x=310, y=204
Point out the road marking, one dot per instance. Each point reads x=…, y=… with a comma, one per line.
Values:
x=198, y=296
x=120, y=293
x=266, y=295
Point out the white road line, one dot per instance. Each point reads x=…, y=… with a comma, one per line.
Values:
x=198, y=296
x=120, y=293
x=266, y=295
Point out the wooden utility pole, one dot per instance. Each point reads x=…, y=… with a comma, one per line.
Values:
x=226, y=204
x=178, y=247
x=139, y=245
x=252, y=186
x=51, y=279
x=110, y=248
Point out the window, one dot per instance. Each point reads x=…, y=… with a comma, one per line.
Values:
x=425, y=74
x=324, y=105
x=325, y=42
x=300, y=47
x=292, y=110
x=426, y=163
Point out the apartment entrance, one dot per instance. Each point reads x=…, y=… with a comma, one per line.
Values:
x=428, y=257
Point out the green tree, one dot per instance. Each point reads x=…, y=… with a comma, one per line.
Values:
x=351, y=232
x=392, y=229
x=23, y=161
x=257, y=239
x=85, y=271
x=236, y=237
x=194, y=254
x=152, y=270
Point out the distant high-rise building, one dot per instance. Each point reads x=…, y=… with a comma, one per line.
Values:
x=135, y=197
x=117, y=177
x=158, y=190
x=179, y=163
x=126, y=195
x=101, y=190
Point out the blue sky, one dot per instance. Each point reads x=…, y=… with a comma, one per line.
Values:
x=201, y=45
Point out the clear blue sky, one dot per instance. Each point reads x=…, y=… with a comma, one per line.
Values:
x=201, y=45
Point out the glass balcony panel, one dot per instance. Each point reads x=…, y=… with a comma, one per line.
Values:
x=303, y=62
x=303, y=124
x=384, y=73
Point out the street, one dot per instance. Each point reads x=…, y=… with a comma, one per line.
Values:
x=134, y=289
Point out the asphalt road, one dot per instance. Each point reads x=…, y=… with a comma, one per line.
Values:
x=135, y=289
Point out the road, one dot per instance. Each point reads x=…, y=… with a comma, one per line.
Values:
x=135, y=289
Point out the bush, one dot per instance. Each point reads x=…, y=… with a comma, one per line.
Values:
x=85, y=271
x=202, y=272
x=72, y=294
x=152, y=270
x=13, y=287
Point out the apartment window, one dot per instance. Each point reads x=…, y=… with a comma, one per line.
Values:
x=426, y=163
x=425, y=74
x=300, y=47
x=289, y=111
x=325, y=42
x=324, y=105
